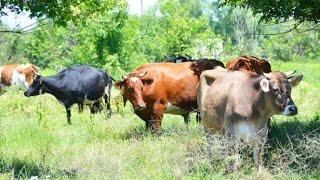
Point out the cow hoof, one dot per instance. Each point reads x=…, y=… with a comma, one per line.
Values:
x=108, y=116
x=155, y=131
x=261, y=170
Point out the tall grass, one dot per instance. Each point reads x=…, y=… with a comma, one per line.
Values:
x=35, y=140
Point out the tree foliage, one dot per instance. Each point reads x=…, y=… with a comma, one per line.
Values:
x=300, y=10
x=60, y=11
x=182, y=28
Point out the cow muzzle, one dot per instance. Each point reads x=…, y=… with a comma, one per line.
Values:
x=26, y=93
x=141, y=106
x=290, y=110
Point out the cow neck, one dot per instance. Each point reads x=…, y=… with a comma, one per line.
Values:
x=50, y=86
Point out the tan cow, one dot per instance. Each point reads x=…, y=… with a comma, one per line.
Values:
x=18, y=74
x=238, y=104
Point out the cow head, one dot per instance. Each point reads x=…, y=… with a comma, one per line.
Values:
x=36, y=87
x=278, y=87
x=29, y=71
x=132, y=88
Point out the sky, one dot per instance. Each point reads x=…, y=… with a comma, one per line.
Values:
x=18, y=21
x=135, y=5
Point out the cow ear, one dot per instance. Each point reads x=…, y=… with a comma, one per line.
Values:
x=37, y=77
x=119, y=84
x=147, y=81
x=264, y=84
x=295, y=80
x=266, y=75
x=290, y=74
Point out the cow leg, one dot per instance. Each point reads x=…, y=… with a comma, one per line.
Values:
x=212, y=152
x=108, y=109
x=80, y=106
x=68, y=115
x=148, y=124
x=258, y=153
x=145, y=115
x=237, y=159
x=186, y=118
x=198, y=117
x=156, y=118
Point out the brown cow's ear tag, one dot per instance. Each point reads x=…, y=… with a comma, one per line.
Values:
x=264, y=84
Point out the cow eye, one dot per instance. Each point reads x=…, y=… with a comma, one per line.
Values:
x=130, y=90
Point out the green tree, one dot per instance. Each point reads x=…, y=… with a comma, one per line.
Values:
x=300, y=10
x=173, y=28
x=59, y=11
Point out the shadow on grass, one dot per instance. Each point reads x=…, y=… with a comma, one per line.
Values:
x=20, y=168
x=24, y=169
x=294, y=144
x=280, y=133
x=140, y=132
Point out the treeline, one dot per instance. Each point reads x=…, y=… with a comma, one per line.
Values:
x=118, y=42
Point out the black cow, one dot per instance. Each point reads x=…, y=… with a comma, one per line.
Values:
x=179, y=59
x=78, y=84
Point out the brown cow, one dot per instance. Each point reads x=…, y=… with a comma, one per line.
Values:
x=249, y=63
x=158, y=88
x=18, y=74
x=239, y=104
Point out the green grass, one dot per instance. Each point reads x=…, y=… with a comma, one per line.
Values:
x=36, y=141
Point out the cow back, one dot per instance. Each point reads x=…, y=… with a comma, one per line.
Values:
x=82, y=81
x=7, y=72
x=249, y=63
x=204, y=64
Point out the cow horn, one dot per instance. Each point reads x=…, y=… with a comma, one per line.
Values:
x=290, y=74
x=124, y=77
x=143, y=74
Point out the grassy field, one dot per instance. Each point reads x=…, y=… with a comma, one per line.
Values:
x=36, y=141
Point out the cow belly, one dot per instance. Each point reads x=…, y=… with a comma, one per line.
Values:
x=172, y=109
x=88, y=101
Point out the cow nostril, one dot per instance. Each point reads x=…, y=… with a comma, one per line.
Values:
x=293, y=109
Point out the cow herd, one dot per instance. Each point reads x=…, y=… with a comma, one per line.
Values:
x=236, y=101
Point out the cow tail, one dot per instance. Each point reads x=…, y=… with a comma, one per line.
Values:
x=107, y=97
x=112, y=78
x=107, y=76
